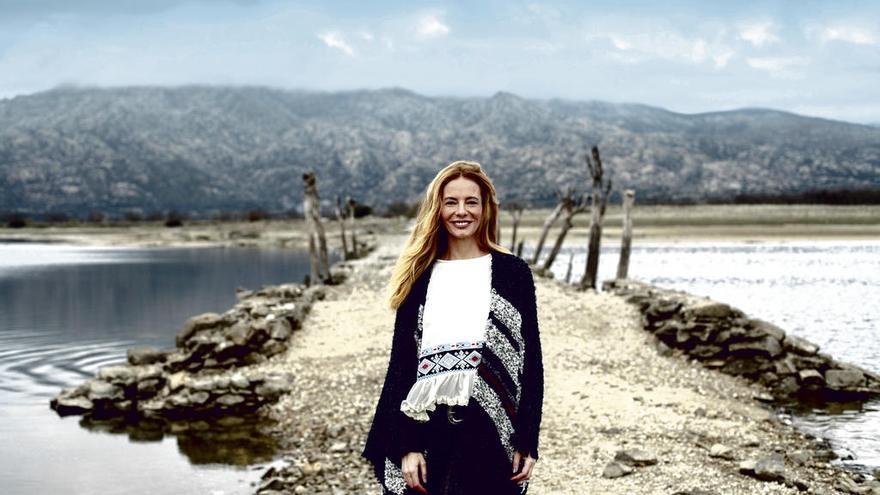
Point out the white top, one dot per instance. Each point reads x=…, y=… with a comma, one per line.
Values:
x=453, y=332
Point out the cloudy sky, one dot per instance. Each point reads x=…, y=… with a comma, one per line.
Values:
x=814, y=58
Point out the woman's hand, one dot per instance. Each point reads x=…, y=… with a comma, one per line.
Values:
x=415, y=471
x=526, y=472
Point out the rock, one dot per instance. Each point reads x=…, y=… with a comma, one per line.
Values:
x=145, y=355
x=747, y=466
x=771, y=468
x=230, y=399
x=339, y=447
x=197, y=324
x=616, y=469
x=199, y=397
x=123, y=374
x=721, y=452
x=238, y=380
x=799, y=457
x=280, y=329
x=800, y=346
x=844, y=379
x=709, y=309
x=768, y=346
x=767, y=328
x=99, y=389
x=635, y=457
x=811, y=378
x=66, y=406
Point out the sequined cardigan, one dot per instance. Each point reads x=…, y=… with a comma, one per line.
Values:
x=509, y=385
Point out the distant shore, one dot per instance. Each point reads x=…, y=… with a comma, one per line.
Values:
x=746, y=223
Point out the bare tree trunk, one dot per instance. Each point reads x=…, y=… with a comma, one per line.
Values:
x=312, y=212
x=519, y=248
x=545, y=230
x=597, y=209
x=626, y=242
x=354, y=243
x=516, y=211
x=566, y=225
x=314, y=276
x=341, y=219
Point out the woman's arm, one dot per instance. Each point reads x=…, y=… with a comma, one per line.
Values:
x=528, y=421
x=407, y=433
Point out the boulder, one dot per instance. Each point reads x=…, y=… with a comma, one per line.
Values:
x=844, y=379
x=811, y=378
x=771, y=468
x=767, y=328
x=707, y=309
x=616, y=469
x=145, y=355
x=767, y=347
x=197, y=324
x=800, y=346
x=635, y=457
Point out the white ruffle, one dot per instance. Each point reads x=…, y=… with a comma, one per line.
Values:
x=453, y=388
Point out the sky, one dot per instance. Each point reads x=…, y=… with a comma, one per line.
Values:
x=809, y=57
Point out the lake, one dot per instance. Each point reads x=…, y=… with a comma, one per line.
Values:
x=65, y=311
x=827, y=291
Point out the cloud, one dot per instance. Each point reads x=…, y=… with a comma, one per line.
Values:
x=758, y=33
x=429, y=26
x=665, y=45
x=848, y=34
x=334, y=39
x=782, y=67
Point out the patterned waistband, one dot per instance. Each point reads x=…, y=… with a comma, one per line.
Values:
x=450, y=357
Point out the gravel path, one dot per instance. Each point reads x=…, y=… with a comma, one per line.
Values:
x=606, y=389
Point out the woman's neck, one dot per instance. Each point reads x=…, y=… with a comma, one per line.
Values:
x=460, y=249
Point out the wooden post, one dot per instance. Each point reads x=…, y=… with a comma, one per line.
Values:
x=626, y=242
x=516, y=211
x=568, y=271
x=312, y=213
x=351, y=203
x=341, y=219
x=597, y=210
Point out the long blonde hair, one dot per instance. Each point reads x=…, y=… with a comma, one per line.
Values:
x=429, y=238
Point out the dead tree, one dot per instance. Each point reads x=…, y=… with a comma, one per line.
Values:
x=315, y=230
x=570, y=207
x=554, y=215
x=519, y=248
x=351, y=203
x=568, y=270
x=516, y=211
x=340, y=217
x=626, y=242
x=597, y=210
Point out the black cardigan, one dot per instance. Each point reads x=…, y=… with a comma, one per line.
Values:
x=510, y=385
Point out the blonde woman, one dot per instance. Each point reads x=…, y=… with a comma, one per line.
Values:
x=460, y=408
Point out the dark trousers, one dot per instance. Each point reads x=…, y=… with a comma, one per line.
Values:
x=463, y=454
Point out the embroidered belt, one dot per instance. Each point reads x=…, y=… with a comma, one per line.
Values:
x=449, y=357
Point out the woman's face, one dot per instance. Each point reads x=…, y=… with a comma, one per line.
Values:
x=462, y=207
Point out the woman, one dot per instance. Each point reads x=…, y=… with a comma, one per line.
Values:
x=460, y=409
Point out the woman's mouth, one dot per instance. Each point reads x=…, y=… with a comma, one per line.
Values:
x=461, y=224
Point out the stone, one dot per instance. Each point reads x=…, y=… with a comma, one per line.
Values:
x=280, y=329
x=709, y=309
x=145, y=355
x=799, y=457
x=230, y=399
x=339, y=447
x=767, y=328
x=747, y=466
x=811, y=378
x=238, y=380
x=799, y=345
x=721, y=452
x=768, y=346
x=771, y=468
x=635, y=457
x=66, y=406
x=197, y=324
x=123, y=373
x=616, y=469
x=99, y=389
x=844, y=379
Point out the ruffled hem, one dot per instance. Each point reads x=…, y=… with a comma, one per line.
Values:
x=453, y=388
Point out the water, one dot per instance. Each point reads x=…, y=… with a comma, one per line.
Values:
x=65, y=311
x=825, y=291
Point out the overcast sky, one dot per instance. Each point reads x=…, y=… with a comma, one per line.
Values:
x=814, y=58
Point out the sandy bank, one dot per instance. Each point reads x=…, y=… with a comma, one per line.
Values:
x=606, y=389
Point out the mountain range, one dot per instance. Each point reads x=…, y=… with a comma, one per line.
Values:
x=212, y=148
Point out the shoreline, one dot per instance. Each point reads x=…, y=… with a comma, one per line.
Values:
x=606, y=390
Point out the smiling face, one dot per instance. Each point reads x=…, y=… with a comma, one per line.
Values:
x=462, y=207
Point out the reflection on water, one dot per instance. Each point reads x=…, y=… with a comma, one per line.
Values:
x=66, y=311
x=825, y=291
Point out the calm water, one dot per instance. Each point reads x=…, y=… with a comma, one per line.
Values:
x=66, y=311
x=825, y=291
